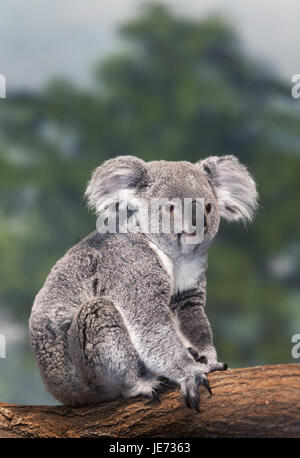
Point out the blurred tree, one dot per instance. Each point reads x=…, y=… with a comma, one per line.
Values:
x=183, y=90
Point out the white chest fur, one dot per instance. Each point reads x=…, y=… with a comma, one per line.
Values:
x=185, y=271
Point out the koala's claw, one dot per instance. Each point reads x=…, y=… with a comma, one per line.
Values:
x=205, y=383
x=195, y=404
x=155, y=395
x=187, y=402
x=202, y=359
x=192, y=402
x=218, y=367
x=190, y=390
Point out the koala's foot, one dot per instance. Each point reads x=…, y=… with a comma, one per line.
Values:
x=211, y=364
x=148, y=387
x=190, y=388
x=103, y=351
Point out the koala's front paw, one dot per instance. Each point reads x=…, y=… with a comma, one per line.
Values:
x=190, y=388
x=211, y=365
x=218, y=367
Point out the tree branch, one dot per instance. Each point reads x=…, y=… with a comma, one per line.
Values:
x=261, y=401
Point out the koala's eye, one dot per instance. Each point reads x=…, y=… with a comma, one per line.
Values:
x=208, y=208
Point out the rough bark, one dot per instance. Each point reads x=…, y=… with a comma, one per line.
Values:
x=261, y=401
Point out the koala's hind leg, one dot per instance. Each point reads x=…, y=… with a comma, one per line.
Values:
x=104, y=355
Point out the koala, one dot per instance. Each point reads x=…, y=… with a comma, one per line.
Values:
x=122, y=312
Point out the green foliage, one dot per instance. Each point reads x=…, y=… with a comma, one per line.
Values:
x=181, y=90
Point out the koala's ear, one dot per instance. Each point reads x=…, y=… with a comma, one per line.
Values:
x=234, y=187
x=127, y=174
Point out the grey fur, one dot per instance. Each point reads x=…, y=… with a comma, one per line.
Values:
x=235, y=188
x=120, y=310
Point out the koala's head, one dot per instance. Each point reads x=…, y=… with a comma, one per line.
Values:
x=212, y=188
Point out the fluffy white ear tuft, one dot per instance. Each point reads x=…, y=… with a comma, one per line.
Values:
x=123, y=175
x=234, y=187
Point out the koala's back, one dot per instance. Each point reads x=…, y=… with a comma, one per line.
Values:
x=54, y=308
x=56, y=302
x=87, y=270
x=84, y=271
x=72, y=281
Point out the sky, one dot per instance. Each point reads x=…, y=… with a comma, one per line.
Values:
x=40, y=39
